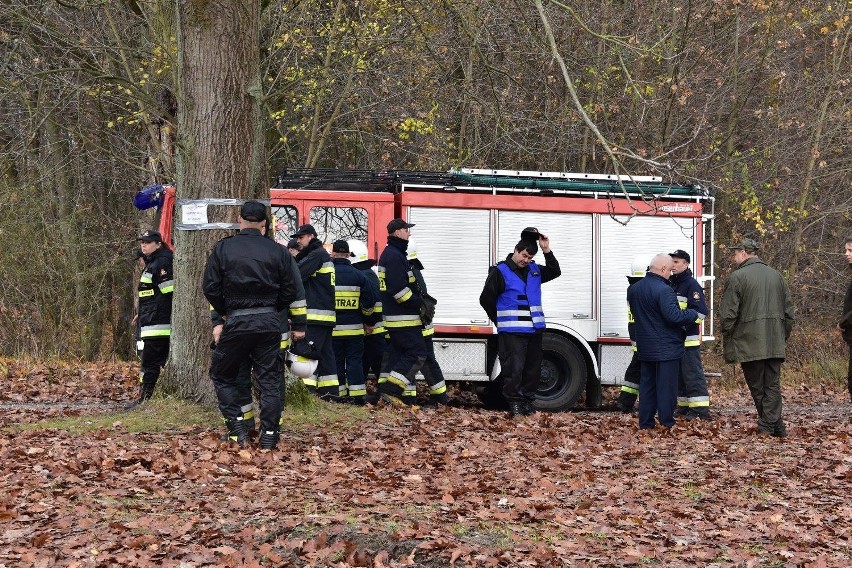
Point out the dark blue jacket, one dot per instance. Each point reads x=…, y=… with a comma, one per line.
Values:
x=398, y=293
x=659, y=321
x=355, y=299
x=690, y=294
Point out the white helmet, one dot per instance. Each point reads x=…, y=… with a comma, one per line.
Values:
x=412, y=254
x=639, y=266
x=301, y=366
x=302, y=358
x=358, y=250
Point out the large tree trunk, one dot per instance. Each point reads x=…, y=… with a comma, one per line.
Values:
x=217, y=156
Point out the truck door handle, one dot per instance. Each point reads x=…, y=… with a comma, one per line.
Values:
x=580, y=316
x=479, y=321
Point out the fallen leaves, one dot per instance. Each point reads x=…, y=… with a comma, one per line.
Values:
x=457, y=487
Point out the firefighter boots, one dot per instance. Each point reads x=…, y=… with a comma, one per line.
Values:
x=269, y=439
x=145, y=392
x=237, y=431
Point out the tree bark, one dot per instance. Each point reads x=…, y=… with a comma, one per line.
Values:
x=218, y=155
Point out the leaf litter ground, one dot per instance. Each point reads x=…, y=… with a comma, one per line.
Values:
x=460, y=486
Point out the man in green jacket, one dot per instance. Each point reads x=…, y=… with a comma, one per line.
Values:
x=756, y=316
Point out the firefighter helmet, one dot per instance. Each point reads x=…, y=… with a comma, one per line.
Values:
x=300, y=366
x=302, y=359
x=358, y=250
x=412, y=255
x=639, y=266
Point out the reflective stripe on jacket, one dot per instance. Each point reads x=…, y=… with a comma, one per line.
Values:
x=155, y=290
x=690, y=294
x=519, y=306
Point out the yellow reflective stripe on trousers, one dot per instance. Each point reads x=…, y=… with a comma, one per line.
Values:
x=327, y=381
x=161, y=330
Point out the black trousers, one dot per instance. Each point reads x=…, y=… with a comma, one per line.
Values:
x=763, y=378
x=375, y=348
x=520, y=364
x=407, y=356
x=849, y=373
x=154, y=357
x=233, y=388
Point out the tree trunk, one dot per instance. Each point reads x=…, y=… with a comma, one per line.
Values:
x=218, y=155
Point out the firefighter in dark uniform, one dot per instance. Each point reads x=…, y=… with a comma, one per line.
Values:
x=154, y=317
x=375, y=342
x=693, y=398
x=355, y=301
x=431, y=368
x=248, y=280
x=317, y=273
x=511, y=297
x=401, y=311
x=630, y=389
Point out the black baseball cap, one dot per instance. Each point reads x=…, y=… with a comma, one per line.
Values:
x=150, y=236
x=304, y=230
x=681, y=254
x=530, y=234
x=341, y=246
x=398, y=224
x=253, y=211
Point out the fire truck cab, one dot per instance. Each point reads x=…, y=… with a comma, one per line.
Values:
x=467, y=220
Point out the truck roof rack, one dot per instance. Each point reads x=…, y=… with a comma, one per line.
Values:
x=482, y=180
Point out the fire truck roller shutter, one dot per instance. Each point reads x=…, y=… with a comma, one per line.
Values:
x=564, y=371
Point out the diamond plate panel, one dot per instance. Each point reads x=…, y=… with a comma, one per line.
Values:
x=614, y=360
x=462, y=359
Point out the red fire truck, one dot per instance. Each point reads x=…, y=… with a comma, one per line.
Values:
x=467, y=220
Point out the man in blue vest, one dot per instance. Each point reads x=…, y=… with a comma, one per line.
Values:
x=511, y=297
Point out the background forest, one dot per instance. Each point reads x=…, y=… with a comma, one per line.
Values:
x=748, y=97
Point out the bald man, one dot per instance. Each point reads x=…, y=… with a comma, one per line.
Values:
x=659, y=331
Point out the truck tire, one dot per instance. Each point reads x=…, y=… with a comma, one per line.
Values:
x=563, y=373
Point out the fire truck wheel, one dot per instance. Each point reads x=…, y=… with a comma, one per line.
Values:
x=563, y=373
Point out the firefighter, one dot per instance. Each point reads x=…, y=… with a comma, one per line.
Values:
x=375, y=340
x=630, y=389
x=693, y=399
x=248, y=279
x=317, y=273
x=401, y=310
x=658, y=327
x=355, y=301
x=154, y=317
x=511, y=297
x=431, y=369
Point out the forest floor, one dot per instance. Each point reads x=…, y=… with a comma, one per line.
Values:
x=84, y=484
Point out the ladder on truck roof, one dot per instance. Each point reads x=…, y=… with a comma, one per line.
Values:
x=486, y=180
